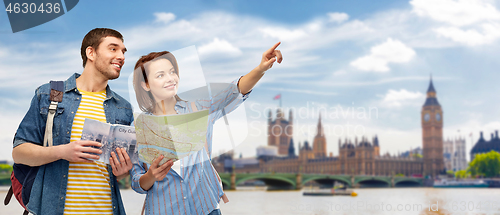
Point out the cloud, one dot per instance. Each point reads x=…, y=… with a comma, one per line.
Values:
x=468, y=22
x=397, y=99
x=338, y=17
x=164, y=17
x=34, y=64
x=339, y=73
x=284, y=34
x=456, y=12
x=300, y=91
x=392, y=51
x=220, y=48
x=487, y=34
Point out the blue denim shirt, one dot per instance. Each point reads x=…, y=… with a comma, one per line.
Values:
x=196, y=189
x=49, y=188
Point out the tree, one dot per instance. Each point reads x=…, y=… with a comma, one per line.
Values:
x=417, y=156
x=462, y=174
x=5, y=168
x=486, y=165
x=450, y=173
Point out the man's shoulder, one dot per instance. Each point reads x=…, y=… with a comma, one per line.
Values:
x=43, y=89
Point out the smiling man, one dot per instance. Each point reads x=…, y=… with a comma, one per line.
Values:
x=68, y=181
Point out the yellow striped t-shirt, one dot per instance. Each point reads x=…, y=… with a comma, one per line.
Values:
x=88, y=189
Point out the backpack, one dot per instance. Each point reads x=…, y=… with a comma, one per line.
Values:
x=23, y=176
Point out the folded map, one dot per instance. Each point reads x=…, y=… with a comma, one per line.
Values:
x=173, y=136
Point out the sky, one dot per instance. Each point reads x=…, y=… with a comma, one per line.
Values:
x=373, y=57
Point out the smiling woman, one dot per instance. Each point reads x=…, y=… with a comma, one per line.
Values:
x=156, y=81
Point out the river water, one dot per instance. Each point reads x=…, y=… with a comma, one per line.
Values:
x=368, y=201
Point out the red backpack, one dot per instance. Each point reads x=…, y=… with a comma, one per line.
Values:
x=23, y=176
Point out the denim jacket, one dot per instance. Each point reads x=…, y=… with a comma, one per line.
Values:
x=49, y=188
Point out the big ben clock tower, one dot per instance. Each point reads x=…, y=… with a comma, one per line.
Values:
x=432, y=134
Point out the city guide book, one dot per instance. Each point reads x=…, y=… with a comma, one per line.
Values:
x=111, y=136
x=173, y=136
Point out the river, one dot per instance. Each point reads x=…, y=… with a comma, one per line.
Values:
x=368, y=201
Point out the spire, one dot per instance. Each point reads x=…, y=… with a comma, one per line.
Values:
x=431, y=95
x=306, y=145
x=291, y=149
x=431, y=87
x=320, y=128
x=279, y=114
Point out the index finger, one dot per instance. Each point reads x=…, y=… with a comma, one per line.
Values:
x=90, y=143
x=157, y=161
x=125, y=154
x=120, y=153
x=273, y=48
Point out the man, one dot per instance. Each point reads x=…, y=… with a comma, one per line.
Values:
x=68, y=182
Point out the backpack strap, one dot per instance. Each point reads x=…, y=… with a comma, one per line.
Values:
x=56, y=95
x=8, y=196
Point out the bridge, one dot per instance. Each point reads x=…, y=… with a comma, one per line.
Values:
x=294, y=181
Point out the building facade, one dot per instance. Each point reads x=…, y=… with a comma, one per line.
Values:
x=280, y=131
x=483, y=146
x=355, y=158
x=454, y=154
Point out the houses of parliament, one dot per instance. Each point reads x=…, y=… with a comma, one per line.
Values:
x=356, y=157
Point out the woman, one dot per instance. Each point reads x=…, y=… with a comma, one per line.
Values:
x=191, y=185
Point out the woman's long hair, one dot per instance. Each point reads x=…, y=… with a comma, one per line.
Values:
x=145, y=99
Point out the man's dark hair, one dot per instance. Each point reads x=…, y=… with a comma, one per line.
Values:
x=94, y=38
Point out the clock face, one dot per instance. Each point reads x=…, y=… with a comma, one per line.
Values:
x=427, y=117
x=438, y=117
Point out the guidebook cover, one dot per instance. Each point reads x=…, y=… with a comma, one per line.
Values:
x=111, y=136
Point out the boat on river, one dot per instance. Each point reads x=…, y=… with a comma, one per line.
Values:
x=329, y=192
x=445, y=183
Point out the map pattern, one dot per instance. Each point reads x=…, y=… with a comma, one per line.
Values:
x=173, y=136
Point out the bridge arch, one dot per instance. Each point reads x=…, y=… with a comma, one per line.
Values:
x=225, y=183
x=267, y=179
x=373, y=182
x=313, y=178
x=386, y=180
x=407, y=182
